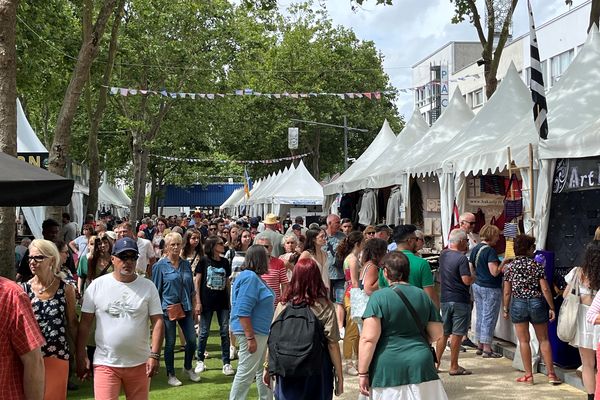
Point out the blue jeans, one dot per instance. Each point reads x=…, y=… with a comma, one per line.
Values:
x=529, y=310
x=487, y=304
x=250, y=368
x=205, y=320
x=187, y=327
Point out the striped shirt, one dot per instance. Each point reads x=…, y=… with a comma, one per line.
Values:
x=276, y=277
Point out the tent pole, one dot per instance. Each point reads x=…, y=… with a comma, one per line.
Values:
x=531, y=185
x=510, y=171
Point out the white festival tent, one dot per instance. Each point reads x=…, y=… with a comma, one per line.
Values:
x=229, y=205
x=112, y=198
x=435, y=142
x=277, y=193
x=377, y=172
x=573, y=124
x=261, y=203
x=481, y=147
x=350, y=181
x=299, y=189
x=29, y=143
x=240, y=205
x=266, y=192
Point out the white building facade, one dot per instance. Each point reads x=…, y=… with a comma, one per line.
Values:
x=559, y=41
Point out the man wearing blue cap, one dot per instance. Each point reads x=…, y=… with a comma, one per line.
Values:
x=122, y=303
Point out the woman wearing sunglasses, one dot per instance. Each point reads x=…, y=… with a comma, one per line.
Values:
x=53, y=303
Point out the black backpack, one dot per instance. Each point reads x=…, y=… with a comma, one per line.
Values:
x=296, y=343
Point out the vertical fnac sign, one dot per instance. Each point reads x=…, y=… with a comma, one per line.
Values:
x=444, y=89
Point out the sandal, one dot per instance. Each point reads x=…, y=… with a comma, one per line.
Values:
x=479, y=351
x=491, y=354
x=460, y=371
x=553, y=379
x=527, y=378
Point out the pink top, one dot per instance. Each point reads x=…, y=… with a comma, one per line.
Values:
x=594, y=310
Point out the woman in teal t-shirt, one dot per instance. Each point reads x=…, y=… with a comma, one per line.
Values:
x=394, y=361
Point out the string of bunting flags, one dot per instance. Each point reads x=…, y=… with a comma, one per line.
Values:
x=376, y=95
x=200, y=160
x=244, y=92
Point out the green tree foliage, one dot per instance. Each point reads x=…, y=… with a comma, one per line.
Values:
x=208, y=47
x=48, y=39
x=308, y=54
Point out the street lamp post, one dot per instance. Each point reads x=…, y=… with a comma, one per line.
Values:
x=346, y=129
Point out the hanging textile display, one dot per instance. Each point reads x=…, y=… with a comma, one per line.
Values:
x=395, y=207
x=368, y=208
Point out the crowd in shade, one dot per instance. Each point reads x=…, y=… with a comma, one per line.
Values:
x=300, y=307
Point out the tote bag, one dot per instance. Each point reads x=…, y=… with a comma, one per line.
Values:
x=566, y=328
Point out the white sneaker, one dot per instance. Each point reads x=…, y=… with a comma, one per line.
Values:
x=173, y=381
x=228, y=370
x=232, y=353
x=342, y=332
x=199, y=367
x=350, y=369
x=191, y=375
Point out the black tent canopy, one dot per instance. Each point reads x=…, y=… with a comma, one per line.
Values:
x=23, y=184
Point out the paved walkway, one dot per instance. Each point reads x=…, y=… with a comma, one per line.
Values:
x=491, y=379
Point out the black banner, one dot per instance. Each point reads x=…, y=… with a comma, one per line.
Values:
x=576, y=174
x=37, y=159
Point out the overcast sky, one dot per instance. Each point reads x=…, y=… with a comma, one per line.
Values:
x=412, y=29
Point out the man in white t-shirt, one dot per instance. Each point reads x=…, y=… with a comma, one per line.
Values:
x=147, y=257
x=122, y=303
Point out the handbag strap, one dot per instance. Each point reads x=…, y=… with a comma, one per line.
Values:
x=413, y=313
x=478, y=253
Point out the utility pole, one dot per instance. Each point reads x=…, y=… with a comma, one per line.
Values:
x=346, y=129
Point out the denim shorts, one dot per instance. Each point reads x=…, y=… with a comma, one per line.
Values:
x=456, y=318
x=529, y=310
x=337, y=290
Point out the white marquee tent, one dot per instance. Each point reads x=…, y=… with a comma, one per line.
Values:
x=482, y=145
x=351, y=180
x=573, y=124
x=277, y=193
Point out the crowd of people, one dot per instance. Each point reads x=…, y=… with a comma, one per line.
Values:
x=284, y=295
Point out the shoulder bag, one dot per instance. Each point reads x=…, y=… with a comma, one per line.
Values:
x=566, y=329
x=418, y=322
x=512, y=208
x=359, y=299
x=175, y=311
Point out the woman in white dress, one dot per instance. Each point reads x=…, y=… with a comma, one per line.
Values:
x=587, y=336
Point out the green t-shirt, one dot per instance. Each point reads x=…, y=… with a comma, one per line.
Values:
x=420, y=272
x=401, y=355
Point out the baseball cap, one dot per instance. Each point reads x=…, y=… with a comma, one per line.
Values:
x=254, y=222
x=296, y=227
x=124, y=244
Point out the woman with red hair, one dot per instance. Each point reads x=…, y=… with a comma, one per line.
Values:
x=307, y=287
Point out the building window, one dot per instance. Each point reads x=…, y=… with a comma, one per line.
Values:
x=477, y=98
x=559, y=64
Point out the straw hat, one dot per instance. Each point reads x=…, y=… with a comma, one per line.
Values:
x=270, y=219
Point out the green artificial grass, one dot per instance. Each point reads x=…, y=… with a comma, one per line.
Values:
x=214, y=385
